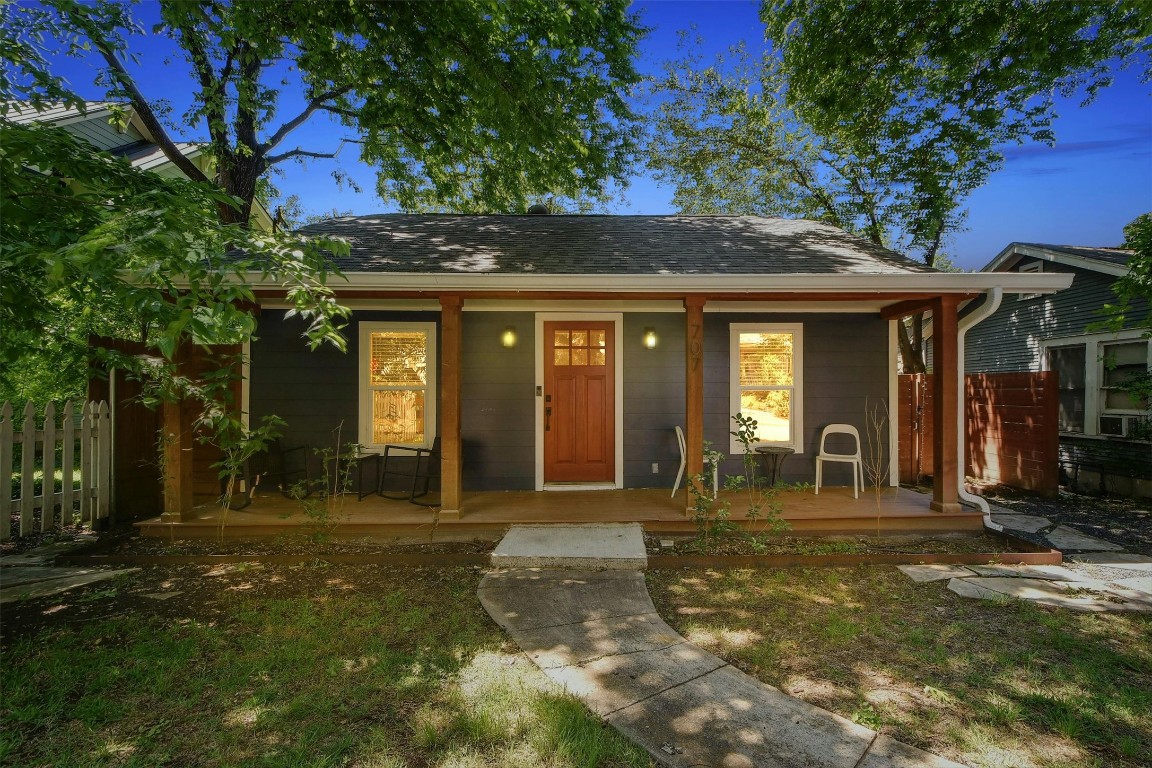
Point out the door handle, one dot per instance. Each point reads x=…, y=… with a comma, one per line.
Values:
x=548, y=419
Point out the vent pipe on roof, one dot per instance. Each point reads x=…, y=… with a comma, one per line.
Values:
x=539, y=209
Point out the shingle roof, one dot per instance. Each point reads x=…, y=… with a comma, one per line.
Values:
x=625, y=245
x=1117, y=256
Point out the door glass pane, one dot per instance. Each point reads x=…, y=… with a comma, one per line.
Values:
x=597, y=357
x=597, y=339
x=397, y=416
x=560, y=339
x=560, y=357
x=579, y=338
x=772, y=411
x=399, y=359
x=766, y=359
x=579, y=357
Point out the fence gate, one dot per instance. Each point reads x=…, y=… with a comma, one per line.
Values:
x=58, y=474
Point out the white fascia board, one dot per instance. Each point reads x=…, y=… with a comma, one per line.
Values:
x=939, y=283
x=1014, y=252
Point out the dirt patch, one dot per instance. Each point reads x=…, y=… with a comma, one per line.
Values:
x=1119, y=519
x=842, y=545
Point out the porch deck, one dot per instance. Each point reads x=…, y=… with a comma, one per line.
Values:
x=832, y=512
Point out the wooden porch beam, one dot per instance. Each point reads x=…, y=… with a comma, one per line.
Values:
x=694, y=388
x=177, y=431
x=451, y=341
x=946, y=465
x=905, y=308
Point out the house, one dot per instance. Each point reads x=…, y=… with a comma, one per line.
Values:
x=552, y=352
x=116, y=128
x=1105, y=434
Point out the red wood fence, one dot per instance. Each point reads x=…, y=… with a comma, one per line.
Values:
x=1010, y=425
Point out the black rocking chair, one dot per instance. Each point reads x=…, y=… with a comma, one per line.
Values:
x=420, y=465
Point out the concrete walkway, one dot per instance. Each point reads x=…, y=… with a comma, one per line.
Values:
x=597, y=634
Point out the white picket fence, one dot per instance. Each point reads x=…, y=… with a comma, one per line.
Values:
x=84, y=491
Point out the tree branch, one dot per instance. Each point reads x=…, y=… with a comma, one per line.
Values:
x=273, y=159
x=296, y=122
x=147, y=116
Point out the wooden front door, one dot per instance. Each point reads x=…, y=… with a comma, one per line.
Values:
x=579, y=402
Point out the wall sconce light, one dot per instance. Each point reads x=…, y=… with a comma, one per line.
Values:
x=650, y=338
x=508, y=337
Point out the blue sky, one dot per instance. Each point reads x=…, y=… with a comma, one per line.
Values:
x=1082, y=191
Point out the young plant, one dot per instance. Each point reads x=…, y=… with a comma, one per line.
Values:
x=713, y=515
x=326, y=508
x=875, y=460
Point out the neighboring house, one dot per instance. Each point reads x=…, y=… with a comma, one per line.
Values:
x=556, y=352
x=115, y=128
x=1105, y=435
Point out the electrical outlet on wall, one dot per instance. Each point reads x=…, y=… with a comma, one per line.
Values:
x=655, y=468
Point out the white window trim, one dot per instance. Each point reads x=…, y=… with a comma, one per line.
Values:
x=797, y=421
x=1094, y=373
x=431, y=395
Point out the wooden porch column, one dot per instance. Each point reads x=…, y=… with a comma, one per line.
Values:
x=450, y=446
x=694, y=387
x=946, y=465
x=177, y=431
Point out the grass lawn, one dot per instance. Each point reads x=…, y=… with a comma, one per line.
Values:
x=1004, y=685
x=306, y=666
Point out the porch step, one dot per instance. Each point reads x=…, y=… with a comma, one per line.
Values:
x=618, y=546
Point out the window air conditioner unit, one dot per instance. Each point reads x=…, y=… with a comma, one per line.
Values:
x=1122, y=426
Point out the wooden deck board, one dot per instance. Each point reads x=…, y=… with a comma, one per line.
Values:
x=832, y=511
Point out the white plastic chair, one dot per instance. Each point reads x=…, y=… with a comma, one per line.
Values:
x=684, y=463
x=854, y=458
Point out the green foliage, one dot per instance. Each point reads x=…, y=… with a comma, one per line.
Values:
x=945, y=87
x=466, y=105
x=1136, y=286
x=728, y=142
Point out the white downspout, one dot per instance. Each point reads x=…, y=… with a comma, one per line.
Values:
x=994, y=296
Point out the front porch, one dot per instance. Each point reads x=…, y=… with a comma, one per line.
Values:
x=833, y=511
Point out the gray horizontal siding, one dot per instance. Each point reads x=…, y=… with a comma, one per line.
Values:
x=315, y=392
x=498, y=402
x=845, y=362
x=1010, y=339
x=845, y=367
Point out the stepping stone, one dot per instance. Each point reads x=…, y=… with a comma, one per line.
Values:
x=1124, y=560
x=1076, y=595
x=579, y=547
x=162, y=595
x=42, y=555
x=1137, y=584
x=969, y=588
x=922, y=574
x=1018, y=522
x=1062, y=538
x=56, y=586
x=14, y=576
x=1049, y=572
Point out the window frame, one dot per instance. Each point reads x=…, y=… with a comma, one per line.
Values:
x=1094, y=347
x=796, y=422
x=431, y=393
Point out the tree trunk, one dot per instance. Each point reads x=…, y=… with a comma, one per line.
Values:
x=238, y=176
x=912, y=343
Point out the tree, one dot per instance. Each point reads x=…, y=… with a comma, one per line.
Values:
x=467, y=104
x=726, y=140
x=882, y=117
x=1136, y=286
